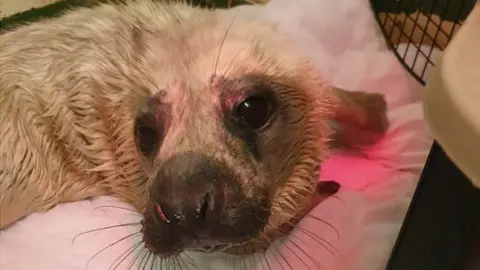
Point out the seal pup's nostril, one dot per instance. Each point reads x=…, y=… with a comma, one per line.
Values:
x=160, y=214
x=203, y=206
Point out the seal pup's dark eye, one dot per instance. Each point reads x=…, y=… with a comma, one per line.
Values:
x=147, y=138
x=254, y=112
x=146, y=134
x=151, y=123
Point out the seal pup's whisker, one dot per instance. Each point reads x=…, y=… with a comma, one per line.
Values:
x=106, y=228
x=318, y=265
x=118, y=207
x=310, y=216
x=272, y=253
x=178, y=261
x=168, y=263
x=148, y=258
x=144, y=256
x=256, y=261
x=315, y=237
x=263, y=258
x=172, y=263
x=303, y=251
x=142, y=259
x=120, y=259
x=321, y=241
x=136, y=257
x=230, y=64
x=279, y=252
x=111, y=245
x=191, y=260
x=224, y=38
x=292, y=251
x=161, y=262
x=336, y=197
x=250, y=259
x=302, y=241
x=154, y=263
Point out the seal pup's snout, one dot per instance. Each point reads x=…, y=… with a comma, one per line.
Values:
x=197, y=203
x=190, y=190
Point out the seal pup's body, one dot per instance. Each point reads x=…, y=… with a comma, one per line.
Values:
x=149, y=102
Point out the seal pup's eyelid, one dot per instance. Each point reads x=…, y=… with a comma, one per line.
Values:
x=244, y=91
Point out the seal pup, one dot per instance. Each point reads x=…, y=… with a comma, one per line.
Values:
x=212, y=126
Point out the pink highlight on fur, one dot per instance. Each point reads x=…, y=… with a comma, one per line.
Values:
x=226, y=96
x=215, y=86
x=230, y=101
x=233, y=98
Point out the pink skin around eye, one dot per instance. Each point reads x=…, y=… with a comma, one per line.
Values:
x=160, y=213
x=233, y=99
x=232, y=93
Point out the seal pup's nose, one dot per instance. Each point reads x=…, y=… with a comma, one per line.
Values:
x=190, y=194
x=197, y=206
x=200, y=203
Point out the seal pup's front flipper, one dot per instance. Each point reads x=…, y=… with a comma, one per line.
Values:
x=360, y=117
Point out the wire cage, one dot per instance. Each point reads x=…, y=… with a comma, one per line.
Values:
x=442, y=228
x=417, y=30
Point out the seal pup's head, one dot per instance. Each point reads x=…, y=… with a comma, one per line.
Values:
x=233, y=139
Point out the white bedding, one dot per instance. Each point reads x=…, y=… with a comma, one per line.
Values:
x=377, y=183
